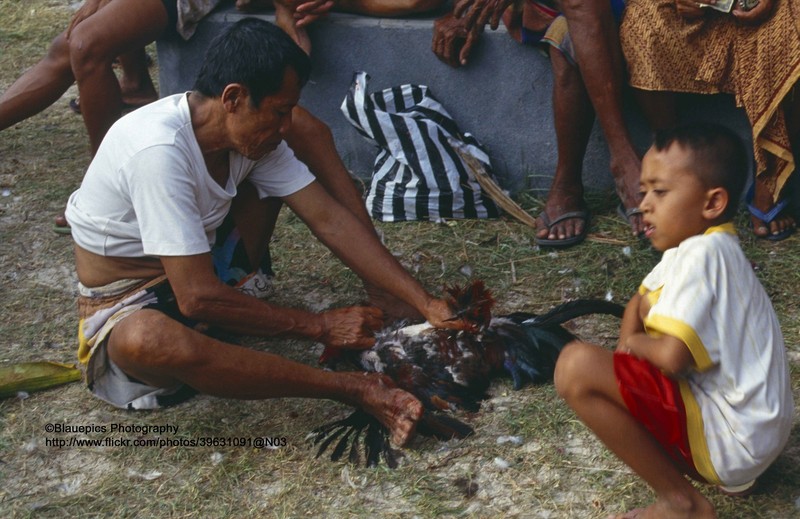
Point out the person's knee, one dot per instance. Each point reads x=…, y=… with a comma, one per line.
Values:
x=86, y=52
x=58, y=53
x=570, y=368
x=570, y=7
x=141, y=339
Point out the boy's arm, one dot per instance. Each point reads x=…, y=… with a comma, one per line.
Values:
x=631, y=321
x=667, y=353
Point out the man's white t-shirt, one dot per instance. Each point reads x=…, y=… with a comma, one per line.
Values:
x=148, y=192
x=739, y=399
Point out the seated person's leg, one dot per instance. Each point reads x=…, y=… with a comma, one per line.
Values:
x=39, y=87
x=119, y=27
x=594, y=33
x=585, y=378
x=565, y=219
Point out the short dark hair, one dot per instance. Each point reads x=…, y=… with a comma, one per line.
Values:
x=254, y=53
x=720, y=159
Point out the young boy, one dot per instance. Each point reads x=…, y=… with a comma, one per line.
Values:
x=699, y=383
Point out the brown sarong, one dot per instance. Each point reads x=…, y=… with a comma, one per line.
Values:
x=759, y=65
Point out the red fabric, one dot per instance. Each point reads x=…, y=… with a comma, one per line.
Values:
x=655, y=401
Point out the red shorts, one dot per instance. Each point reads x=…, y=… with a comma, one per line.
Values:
x=655, y=401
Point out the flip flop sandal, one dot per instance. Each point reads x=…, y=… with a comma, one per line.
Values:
x=768, y=217
x=626, y=214
x=566, y=242
x=75, y=105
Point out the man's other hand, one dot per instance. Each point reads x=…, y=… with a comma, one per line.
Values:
x=352, y=327
x=453, y=39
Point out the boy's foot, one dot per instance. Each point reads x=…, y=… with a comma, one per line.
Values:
x=680, y=509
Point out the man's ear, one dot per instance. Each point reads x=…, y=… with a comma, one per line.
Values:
x=717, y=200
x=233, y=97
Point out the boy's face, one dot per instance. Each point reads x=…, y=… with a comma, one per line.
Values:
x=673, y=197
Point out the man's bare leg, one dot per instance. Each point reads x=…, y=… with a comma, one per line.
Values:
x=573, y=117
x=120, y=27
x=584, y=377
x=136, y=86
x=39, y=87
x=157, y=350
x=595, y=36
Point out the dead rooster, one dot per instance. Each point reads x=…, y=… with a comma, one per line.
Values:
x=449, y=370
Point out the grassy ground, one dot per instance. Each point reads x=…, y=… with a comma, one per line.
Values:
x=555, y=469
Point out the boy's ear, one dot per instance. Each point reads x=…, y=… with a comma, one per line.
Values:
x=716, y=202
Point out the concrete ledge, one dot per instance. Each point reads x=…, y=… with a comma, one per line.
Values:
x=503, y=96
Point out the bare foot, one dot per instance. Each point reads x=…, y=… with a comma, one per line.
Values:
x=697, y=508
x=763, y=201
x=626, y=172
x=396, y=409
x=393, y=308
x=559, y=202
x=139, y=98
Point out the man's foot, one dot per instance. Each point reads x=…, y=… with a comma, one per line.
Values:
x=61, y=225
x=398, y=410
x=769, y=220
x=626, y=178
x=129, y=102
x=564, y=221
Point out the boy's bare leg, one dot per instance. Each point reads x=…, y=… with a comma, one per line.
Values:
x=599, y=56
x=573, y=118
x=39, y=87
x=584, y=377
x=153, y=348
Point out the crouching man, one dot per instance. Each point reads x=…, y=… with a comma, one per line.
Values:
x=146, y=216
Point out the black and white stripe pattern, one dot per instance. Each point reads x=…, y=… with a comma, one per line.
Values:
x=417, y=175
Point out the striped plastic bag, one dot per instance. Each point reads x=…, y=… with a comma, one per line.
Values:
x=418, y=175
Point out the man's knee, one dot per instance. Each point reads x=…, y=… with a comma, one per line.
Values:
x=596, y=7
x=147, y=339
x=85, y=52
x=58, y=53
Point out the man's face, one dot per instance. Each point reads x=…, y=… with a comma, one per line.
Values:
x=256, y=131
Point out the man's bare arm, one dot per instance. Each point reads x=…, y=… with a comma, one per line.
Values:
x=360, y=249
x=203, y=297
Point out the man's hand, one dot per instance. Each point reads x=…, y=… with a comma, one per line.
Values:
x=88, y=8
x=453, y=39
x=756, y=15
x=480, y=12
x=440, y=315
x=311, y=11
x=691, y=9
x=352, y=327
x=393, y=308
